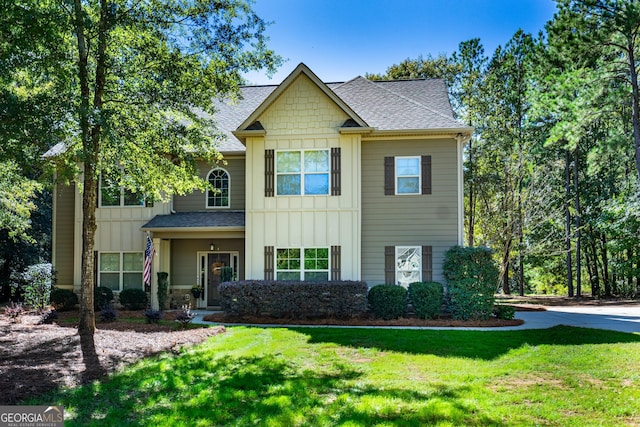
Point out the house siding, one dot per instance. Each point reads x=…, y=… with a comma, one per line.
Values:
x=408, y=220
x=184, y=258
x=196, y=201
x=63, y=229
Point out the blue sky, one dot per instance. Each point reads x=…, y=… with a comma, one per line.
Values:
x=342, y=39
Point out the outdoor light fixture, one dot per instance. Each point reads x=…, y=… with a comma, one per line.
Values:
x=212, y=246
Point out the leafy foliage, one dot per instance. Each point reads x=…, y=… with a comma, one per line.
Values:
x=35, y=285
x=185, y=316
x=506, y=312
x=47, y=317
x=388, y=301
x=153, y=316
x=133, y=299
x=63, y=299
x=426, y=298
x=14, y=311
x=472, y=277
x=103, y=297
x=108, y=313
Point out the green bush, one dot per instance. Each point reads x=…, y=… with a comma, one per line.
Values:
x=133, y=299
x=63, y=299
x=388, y=301
x=35, y=285
x=102, y=297
x=472, y=278
x=426, y=298
x=505, y=312
x=163, y=286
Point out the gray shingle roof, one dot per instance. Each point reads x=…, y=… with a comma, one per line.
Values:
x=197, y=220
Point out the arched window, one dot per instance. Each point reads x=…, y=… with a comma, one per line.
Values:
x=219, y=179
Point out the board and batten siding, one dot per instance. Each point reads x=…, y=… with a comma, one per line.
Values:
x=184, y=258
x=408, y=220
x=303, y=117
x=63, y=230
x=197, y=200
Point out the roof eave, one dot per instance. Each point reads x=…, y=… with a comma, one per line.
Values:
x=191, y=229
x=242, y=135
x=464, y=132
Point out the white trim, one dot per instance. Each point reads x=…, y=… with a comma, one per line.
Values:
x=302, y=270
x=206, y=200
x=395, y=175
x=121, y=270
x=460, y=142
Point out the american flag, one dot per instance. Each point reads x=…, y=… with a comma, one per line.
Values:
x=148, y=257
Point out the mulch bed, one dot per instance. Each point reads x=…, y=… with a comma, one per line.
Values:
x=36, y=358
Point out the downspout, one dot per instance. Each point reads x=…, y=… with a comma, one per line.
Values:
x=461, y=139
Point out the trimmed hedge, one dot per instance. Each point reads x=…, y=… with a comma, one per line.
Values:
x=133, y=299
x=388, y=301
x=472, y=278
x=294, y=300
x=63, y=299
x=426, y=298
x=102, y=297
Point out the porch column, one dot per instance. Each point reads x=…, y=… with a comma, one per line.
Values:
x=155, y=305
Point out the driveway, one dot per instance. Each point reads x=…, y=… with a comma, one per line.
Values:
x=623, y=318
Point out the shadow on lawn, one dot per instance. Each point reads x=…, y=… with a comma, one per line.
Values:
x=261, y=390
x=486, y=345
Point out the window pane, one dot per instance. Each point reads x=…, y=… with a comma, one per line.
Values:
x=288, y=275
x=133, y=261
x=132, y=280
x=408, y=186
x=220, y=180
x=316, y=161
x=110, y=262
x=407, y=166
x=288, y=161
x=316, y=276
x=132, y=199
x=316, y=184
x=288, y=185
x=408, y=265
x=109, y=193
x=110, y=280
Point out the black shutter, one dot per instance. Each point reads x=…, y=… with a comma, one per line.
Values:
x=390, y=265
x=268, y=263
x=336, y=272
x=268, y=173
x=336, y=189
x=389, y=176
x=426, y=174
x=427, y=263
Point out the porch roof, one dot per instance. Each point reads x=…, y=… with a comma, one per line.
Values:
x=196, y=220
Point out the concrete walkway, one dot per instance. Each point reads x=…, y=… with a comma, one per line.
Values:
x=623, y=318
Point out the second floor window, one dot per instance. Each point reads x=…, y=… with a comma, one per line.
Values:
x=219, y=179
x=111, y=194
x=302, y=172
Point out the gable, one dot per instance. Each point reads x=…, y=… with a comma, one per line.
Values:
x=302, y=108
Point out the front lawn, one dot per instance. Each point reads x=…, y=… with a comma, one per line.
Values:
x=369, y=377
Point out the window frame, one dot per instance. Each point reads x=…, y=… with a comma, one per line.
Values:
x=121, y=269
x=208, y=195
x=123, y=194
x=398, y=270
x=302, y=173
x=302, y=270
x=396, y=176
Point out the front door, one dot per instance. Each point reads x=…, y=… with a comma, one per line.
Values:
x=216, y=262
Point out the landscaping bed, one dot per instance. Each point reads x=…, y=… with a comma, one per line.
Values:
x=37, y=358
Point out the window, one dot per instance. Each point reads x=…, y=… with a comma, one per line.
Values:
x=310, y=264
x=408, y=265
x=407, y=175
x=303, y=172
x=219, y=179
x=121, y=270
x=111, y=194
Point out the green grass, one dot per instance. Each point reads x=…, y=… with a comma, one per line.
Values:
x=374, y=377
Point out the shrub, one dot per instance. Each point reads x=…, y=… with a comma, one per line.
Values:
x=505, y=312
x=14, y=311
x=47, y=317
x=294, y=300
x=185, y=316
x=102, y=297
x=163, y=285
x=133, y=299
x=35, y=284
x=388, y=301
x=63, y=299
x=426, y=298
x=108, y=313
x=472, y=277
x=153, y=316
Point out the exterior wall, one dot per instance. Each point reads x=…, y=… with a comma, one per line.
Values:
x=303, y=117
x=63, y=234
x=196, y=201
x=408, y=220
x=184, y=259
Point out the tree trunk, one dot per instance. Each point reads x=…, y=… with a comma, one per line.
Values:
x=578, y=226
x=633, y=74
x=605, y=267
x=505, y=268
x=595, y=279
x=568, y=221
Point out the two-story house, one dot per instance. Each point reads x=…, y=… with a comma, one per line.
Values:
x=360, y=180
